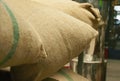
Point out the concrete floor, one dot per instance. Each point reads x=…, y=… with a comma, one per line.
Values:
x=113, y=70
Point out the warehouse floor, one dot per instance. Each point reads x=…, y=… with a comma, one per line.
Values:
x=113, y=70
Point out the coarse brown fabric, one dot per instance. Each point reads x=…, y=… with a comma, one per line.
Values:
x=82, y=11
x=63, y=37
x=19, y=38
x=65, y=75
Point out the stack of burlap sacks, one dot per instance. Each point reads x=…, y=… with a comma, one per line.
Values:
x=37, y=39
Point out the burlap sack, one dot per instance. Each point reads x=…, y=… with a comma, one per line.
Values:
x=63, y=36
x=91, y=15
x=19, y=42
x=82, y=11
x=65, y=75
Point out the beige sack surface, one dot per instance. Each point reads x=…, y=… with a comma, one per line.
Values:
x=82, y=11
x=19, y=42
x=63, y=36
x=65, y=75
